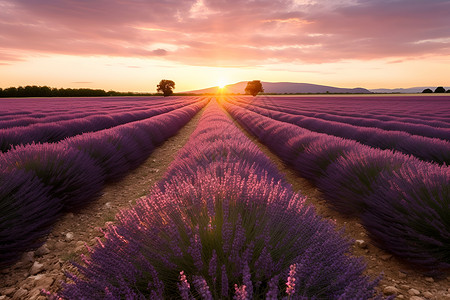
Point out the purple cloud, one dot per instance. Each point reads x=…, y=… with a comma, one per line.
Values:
x=227, y=32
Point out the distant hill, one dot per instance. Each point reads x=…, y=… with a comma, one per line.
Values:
x=281, y=88
x=413, y=90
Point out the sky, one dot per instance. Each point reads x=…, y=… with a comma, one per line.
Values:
x=130, y=45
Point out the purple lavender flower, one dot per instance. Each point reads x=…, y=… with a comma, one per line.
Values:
x=202, y=287
x=240, y=292
x=212, y=269
x=290, y=289
x=195, y=249
x=272, y=294
x=184, y=286
x=247, y=280
x=224, y=291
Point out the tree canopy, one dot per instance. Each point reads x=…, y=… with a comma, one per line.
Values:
x=45, y=91
x=254, y=87
x=166, y=87
x=439, y=89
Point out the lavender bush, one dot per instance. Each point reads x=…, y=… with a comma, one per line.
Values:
x=319, y=154
x=73, y=177
x=27, y=212
x=352, y=178
x=297, y=145
x=409, y=214
x=105, y=153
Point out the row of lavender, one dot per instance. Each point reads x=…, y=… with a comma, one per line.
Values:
x=425, y=148
x=48, y=110
x=39, y=182
x=416, y=126
x=404, y=203
x=221, y=224
x=410, y=109
x=55, y=131
x=44, y=106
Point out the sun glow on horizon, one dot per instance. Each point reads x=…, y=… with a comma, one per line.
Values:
x=221, y=83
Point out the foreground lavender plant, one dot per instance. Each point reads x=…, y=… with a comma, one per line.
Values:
x=232, y=225
x=184, y=287
x=290, y=289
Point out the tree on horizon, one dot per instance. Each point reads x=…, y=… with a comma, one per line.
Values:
x=254, y=87
x=439, y=89
x=166, y=87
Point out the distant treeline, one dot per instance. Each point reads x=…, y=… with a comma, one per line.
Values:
x=439, y=89
x=45, y=91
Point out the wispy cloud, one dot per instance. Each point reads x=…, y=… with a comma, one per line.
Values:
x=227, y=32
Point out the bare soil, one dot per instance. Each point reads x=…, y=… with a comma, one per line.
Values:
x=44, y=268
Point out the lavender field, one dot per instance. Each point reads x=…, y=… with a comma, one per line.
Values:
x=397, y=182
x=61, y=158
x=223, y=222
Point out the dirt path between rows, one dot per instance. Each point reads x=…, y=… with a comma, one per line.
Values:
x=399, y=279
x=44, y=268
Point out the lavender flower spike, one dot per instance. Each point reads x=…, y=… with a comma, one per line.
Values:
x=273, y=289
x=241, y=292
x=202, y=288
x=184, y=286
x=290, y=290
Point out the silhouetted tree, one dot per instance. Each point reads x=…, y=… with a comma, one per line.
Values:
x=448, y=91
x=166, y=86
x=439, y=89
x=427, y=91
x=10, y=92
x=254, y=87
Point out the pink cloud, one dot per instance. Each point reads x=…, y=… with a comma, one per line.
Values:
x=227, y=32
x=7, y=58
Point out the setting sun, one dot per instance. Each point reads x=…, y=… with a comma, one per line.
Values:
x=221, y=83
